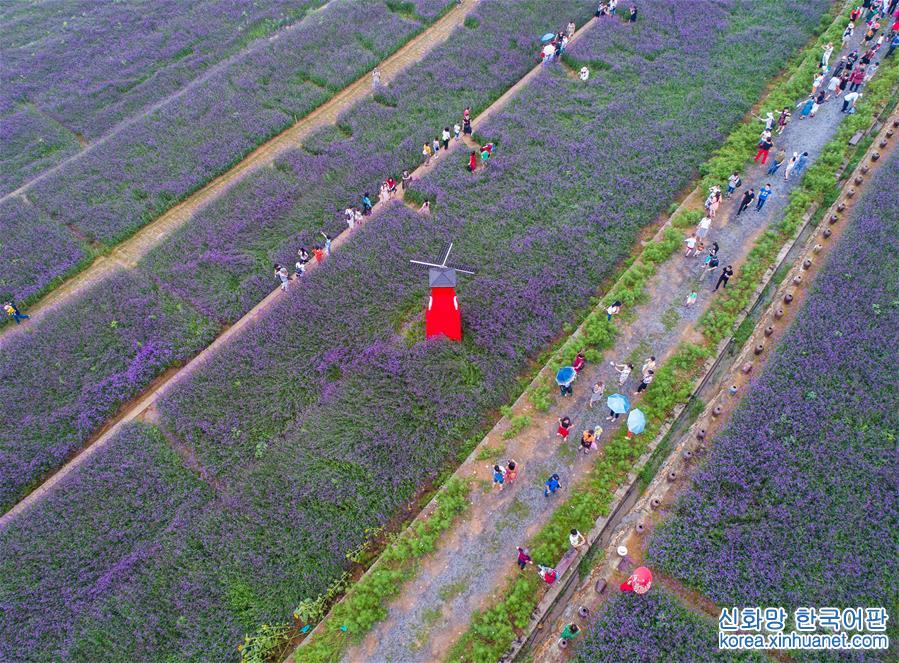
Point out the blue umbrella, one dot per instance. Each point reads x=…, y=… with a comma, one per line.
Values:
x=618, y=403
x=549, y=36
x=636, y=422
x=565, y=376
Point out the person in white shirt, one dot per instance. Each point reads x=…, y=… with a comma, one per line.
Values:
x=585, y=74
x=576, y=539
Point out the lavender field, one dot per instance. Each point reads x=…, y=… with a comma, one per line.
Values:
x=160, y=156
x=330, y=410
x=632, y=627
x=60, y=381
x=797, y=504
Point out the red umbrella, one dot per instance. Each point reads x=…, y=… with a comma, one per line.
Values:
x=639, y=582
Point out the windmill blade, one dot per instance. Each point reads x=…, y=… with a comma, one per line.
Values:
x=426, y=264
x=444, y=254
x=461, y=268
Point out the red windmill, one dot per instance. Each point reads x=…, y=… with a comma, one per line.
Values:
x=443, y=315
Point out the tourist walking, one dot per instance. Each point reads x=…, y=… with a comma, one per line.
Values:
x=499, y=477
x=747, y=198
x=282, y=275
x=800, y=164
x=646, y=381
x=564, y=428
x=588, y=440
x=764, y=145
x=366, y=204
x=849, y=102
x=511, y=472
x=733, y=183
x=426, y=153
x=623, y=370
x=764, y=194
x=596, y=394
x=791, y=164
x=725, y=277
x=12, y=311
x=702, y=228
x=524, y=558
x=472, y=161
x=552, y=485
x=613, y=309
x=446, y=137
x=691, y=245
x=576, y=539
x=783, y=119
x=779, y=158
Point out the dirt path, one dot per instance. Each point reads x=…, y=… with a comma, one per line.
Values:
x=476, y=558
x=128, y=253
x=544, y=648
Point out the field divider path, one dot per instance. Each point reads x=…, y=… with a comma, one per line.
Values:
x=620, y=530
x=126, y=258
x=156, y=105
x=479, y=552
x=133, y=249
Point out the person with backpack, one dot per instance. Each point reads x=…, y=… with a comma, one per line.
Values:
x=588, y=440
x=366, y=204
x=499, y=476
x=12, y=311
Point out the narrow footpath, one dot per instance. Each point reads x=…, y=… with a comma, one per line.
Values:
x=128, y=253
x=478, y=555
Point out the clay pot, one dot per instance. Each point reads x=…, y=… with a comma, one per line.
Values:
x=865, y=170
x=583, y=612
x=779, y=313
x=833, y=219
x=841, y=206
x=889, y=133
x=640, y=528
x=769, y=330
x=858, y=179
x=563, y=643
x=807, y=263
x=797, y=280
x=876, y=155
x=672, y=476
x=896, y=123
x=788, y=298
x=717, y=411
x=827, y=233
x=746, y=368
x=700, y=434
x=688, y=455
x=600, y=586
x=882, y=143
x=851, y=192
x=817, y=248
x=759, y=348
x=655, y=503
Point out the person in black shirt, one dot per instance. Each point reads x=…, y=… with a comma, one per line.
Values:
x=725, y=275
x=747, y=198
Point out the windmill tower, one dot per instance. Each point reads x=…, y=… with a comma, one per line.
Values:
x=442, y=315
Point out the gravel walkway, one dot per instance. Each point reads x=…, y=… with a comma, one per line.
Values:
x=477, y=556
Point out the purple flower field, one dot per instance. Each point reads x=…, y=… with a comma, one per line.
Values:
x=81, y=67
x=123, y=183
x=643, y=628
x=220, y=261
x=92, y=64
x=76, y=365
x=29, y=143
x=103, y=524
x=51, y=250
x=330, y=410
x=797, y=504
